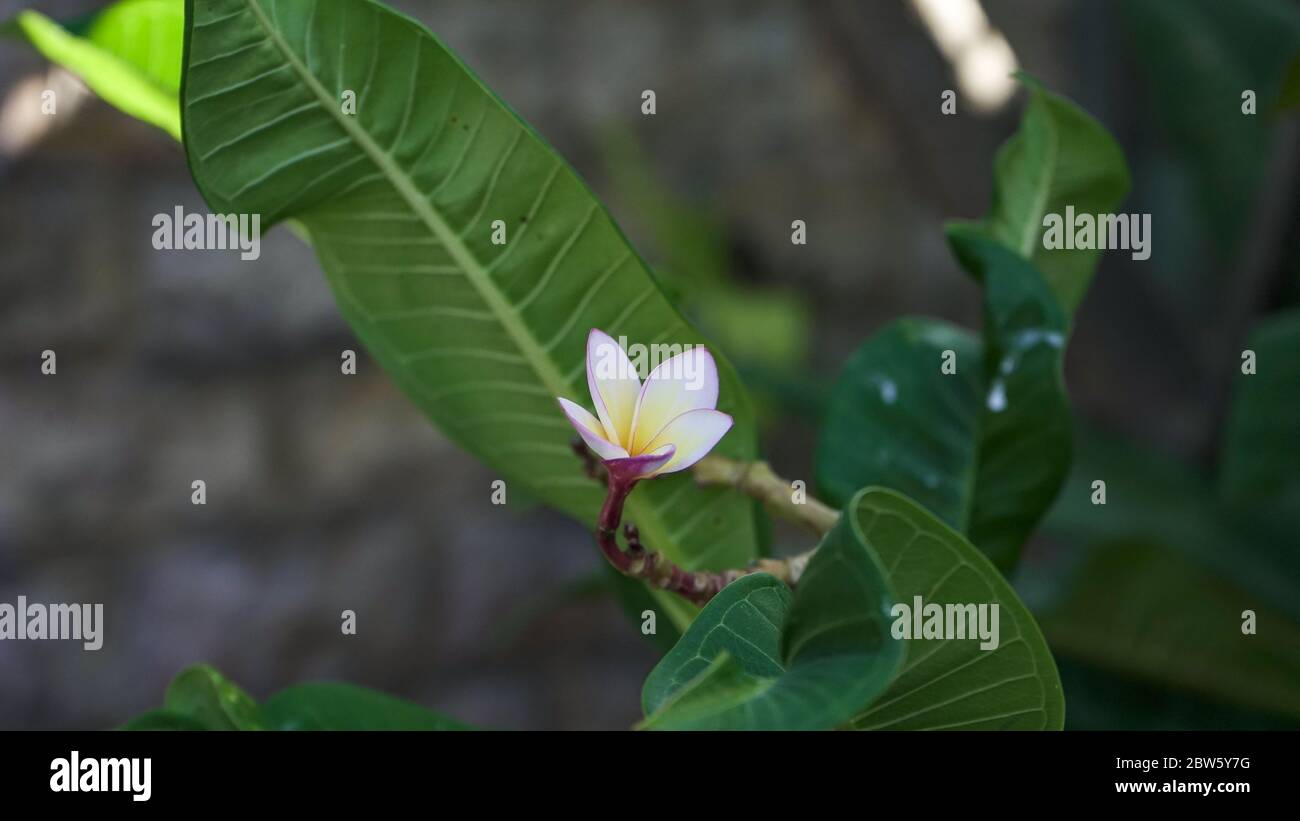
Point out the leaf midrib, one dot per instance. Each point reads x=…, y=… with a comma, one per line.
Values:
x=647, y=516
x=474, y=270
x=1030, y=236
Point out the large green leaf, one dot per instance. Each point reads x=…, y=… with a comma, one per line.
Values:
x=399, y=200
x=129, y=54
x=734, y=667
x=986, y=448
x=1261, y=450
x=1060, y=157
x=759, y=657
x=953, y=684
x=1137, y=608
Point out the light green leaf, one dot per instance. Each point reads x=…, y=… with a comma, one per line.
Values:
x=758, y=657
x=986, y=448
x=1139, y=609
x=129, y=54
x=1060, y=157
x=213, y=701
x=331, y=706
x=953, y=684
x=400, y=199
x=1261, y=449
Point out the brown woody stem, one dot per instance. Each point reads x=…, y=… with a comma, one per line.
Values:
x=755, y=479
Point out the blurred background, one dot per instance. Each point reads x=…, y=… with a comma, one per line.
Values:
x=328, y=492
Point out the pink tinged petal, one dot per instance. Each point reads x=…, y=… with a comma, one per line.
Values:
x=614, y=385
x=589, y=428
x=694, y=434
x=686, y=382
x=640, y=467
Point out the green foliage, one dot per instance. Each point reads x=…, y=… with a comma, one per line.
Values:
x=947, y=683
x=1262, y=443
x=200, y=698
x=400, y=201
x=1060, y=157
x=1198, y=56
x=129, y=54
x=1129, y=607
x=759, y=657
x=986, y=447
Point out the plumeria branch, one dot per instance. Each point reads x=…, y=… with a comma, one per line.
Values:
x=755, y=479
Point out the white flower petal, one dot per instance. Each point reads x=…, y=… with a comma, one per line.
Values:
x=614, y=385
x=686, y=382
x=694, y=434
x=589, y=428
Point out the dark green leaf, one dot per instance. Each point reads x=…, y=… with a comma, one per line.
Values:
x=1141, y=609
x=1199, y=57
x=758, y=657
x=329, y=706
x=399, y=201
x=953, y=684
x=896, y=420
x=163, y=719
x=1261, y=450
x=201, y=698
x=984, y=449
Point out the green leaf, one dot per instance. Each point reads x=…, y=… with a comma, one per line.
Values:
x=1060, y=157
x=744, y=620
x=129, y=54
x=162, y=719
x=758, y=657
x=953, y=684
x=1198, y=57
x=331, y=706
x=215, y=703
x=201, y=698
x=896, y=420
x=1152, y=498
x=1137, y=608
x=1260, y=461
x=399, y=201
x=986, y=448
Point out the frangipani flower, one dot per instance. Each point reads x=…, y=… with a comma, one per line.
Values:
x=643, y=430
